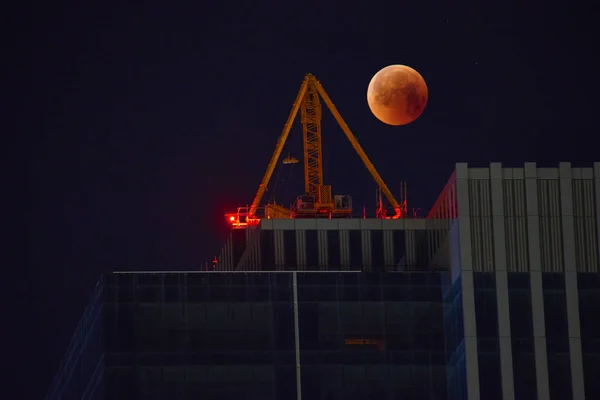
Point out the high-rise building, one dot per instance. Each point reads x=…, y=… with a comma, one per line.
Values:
x=493, y=296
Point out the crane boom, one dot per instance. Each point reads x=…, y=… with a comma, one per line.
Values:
x=278, y=148
x=357, y=147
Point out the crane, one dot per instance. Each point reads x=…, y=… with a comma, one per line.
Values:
x=318, y=200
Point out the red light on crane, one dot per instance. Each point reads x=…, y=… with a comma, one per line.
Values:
x=232, y=218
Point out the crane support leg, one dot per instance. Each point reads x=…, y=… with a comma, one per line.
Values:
x=278, y=149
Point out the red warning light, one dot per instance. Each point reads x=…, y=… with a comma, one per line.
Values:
x=232, y=218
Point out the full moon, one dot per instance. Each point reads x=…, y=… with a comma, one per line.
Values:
x=397, y=95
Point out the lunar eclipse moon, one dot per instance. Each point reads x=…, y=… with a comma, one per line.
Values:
x=397, y=95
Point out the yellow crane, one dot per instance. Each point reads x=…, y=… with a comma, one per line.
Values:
x=318, y=199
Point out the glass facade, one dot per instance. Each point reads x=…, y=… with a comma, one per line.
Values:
x=378, y=336
x=207, y=335
x=557, y=335
x=456, y=372
x=233, y=335
x=488, y=345
x=589, y=299
x=521, y=335
x=81, y=373
x=350, y=335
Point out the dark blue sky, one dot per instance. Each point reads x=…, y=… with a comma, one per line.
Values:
x=143, y=125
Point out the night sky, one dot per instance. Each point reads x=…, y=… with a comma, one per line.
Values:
x=139, y=127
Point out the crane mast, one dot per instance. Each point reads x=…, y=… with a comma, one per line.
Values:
x=313, y=153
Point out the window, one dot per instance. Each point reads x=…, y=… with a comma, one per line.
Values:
x=399, y=245
x=450, y=288
x=267, y=250
x=198, y=293
x=488, y=349
x=589, y=298
x=524, y=375
x=555, y=316
x=290, y=250
x=281, y=288
x=591, y=366
x=221, y=293
x=317, y=293
x=519, y=280
x=521, y=318
x=308, y=326
x=457, y=379
x=484, y=281
x=148, y=279
x=553, y=281
x=588, y=280
x=377, y=251
x=172, y=286
x=355, y=243
x=283, y=326
x=146, y=293
x=120, y=383
x=173, y=326
x=348, y=293
x=238, y=240
x=559, y=376
x=370, y=292
x=312, y=249
x=490, y=385
x=333, y=249
x=285, y=376
x=422, y=248
x=486, y=311
x=119, y=320
x=453, y=326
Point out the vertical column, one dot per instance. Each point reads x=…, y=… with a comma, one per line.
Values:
x=537, y=294
x=297, y=337
x=499, y=237
x=566, y=205
x=323, y=256
x=279, y=249
x=366, y=250
x=301, y=249
x=344, y=248
x=468, y=289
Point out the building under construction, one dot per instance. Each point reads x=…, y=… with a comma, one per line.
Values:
x=493, y=296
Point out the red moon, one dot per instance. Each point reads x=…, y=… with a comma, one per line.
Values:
x=397, y=95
